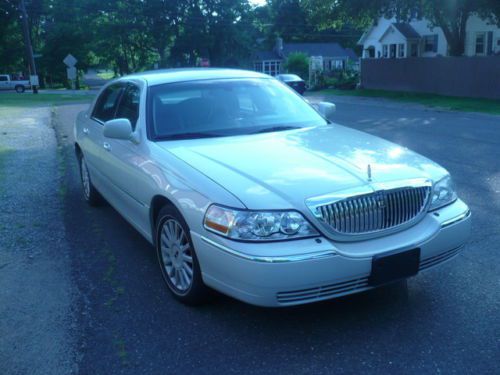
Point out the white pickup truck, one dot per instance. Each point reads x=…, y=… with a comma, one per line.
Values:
x=8, y=83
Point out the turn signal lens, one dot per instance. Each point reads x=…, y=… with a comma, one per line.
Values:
x=218, y=219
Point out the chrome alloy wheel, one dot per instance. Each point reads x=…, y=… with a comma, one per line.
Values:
x=176, y=256
x=85, y=178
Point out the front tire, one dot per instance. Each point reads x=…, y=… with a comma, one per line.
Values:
x=90, y=193
x=177, y=258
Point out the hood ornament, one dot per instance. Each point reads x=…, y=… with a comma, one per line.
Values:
x=369, y=172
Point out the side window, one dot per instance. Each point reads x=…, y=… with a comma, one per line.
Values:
x=3, y=78
x=129, y=105
x=105, y=107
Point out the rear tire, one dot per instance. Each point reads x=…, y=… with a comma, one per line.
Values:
x=19, y=89
x=177, y=258
x=90, y=193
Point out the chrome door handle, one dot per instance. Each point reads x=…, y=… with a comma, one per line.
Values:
x=106, y=146
x=85, y=130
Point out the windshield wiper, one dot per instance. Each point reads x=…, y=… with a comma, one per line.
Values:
x=192, y=135
x=276, y=129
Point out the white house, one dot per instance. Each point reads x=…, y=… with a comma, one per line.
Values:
x=481, y=38
x=417, y=38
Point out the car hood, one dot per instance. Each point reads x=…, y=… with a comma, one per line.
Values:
x=283, y=169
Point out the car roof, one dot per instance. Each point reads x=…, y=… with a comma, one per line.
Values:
x=157, y=77
x=289, y=75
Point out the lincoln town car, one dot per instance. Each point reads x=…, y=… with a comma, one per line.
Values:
x=243, y=186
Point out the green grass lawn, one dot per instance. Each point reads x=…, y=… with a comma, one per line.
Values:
x=3, y=155
x=448, y=102
x=29, y=99
x=106, y=75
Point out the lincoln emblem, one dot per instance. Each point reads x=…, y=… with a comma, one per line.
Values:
x=369, y=171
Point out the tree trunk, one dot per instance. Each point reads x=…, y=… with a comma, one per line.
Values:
x=453, y=29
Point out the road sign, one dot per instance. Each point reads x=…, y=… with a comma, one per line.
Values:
x=71, y=72
x=70, y=60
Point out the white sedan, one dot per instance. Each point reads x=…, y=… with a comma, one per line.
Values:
x=244, y=187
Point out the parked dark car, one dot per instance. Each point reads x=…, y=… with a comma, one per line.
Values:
x=294, y=81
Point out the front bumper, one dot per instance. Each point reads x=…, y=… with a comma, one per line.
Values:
x=309, y=270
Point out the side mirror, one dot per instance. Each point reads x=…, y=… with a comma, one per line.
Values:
x=327, y=109
x=119, y=128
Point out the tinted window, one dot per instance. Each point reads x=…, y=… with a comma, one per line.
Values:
x=3, y=78
x=129, y=105
x=106, y=104
x=225, y=107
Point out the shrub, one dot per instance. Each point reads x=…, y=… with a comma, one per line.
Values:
x=340, y=79
x=297, y=63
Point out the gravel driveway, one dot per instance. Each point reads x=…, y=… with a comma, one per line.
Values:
x=444, y=320
x=36, y=292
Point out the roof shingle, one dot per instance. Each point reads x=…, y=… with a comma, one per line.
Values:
x=406, y=30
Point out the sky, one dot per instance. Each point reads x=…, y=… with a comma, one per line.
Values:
x=257, y=2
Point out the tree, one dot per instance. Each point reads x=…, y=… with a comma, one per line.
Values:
x=289, y=20
x=220, y=30
x=450, y=16
x=11, y=41
x=297, y=21
x=297, y=63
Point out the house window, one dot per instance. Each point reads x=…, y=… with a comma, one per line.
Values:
x=336, y=65
x=271, y=67
x=430, y=43
x=385, y=50
x=401, y=50
x=480, y=43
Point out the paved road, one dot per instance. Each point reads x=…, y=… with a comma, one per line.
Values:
x=92, y=79
x=443, y=321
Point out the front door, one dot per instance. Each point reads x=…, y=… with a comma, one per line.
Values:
x=392, y=51
x=93, y=141
x=123, y=164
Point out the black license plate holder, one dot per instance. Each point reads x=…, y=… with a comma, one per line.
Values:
x=393, y=266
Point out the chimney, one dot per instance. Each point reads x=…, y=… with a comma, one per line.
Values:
x=279, y=46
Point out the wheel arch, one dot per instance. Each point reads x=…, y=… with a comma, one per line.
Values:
x=157, y=203
x=78, y=150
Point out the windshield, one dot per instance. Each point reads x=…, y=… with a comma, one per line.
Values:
x=218, y=108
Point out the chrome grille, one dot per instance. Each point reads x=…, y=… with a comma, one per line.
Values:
x=440, y=258
x=375, y=211
x=323, y=292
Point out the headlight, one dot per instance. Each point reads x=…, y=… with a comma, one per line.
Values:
x=443, y=193
x=257, y=225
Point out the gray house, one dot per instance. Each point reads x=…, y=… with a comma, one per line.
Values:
x=333, y=55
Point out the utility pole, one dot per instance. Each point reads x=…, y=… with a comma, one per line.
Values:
x=27, y=43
